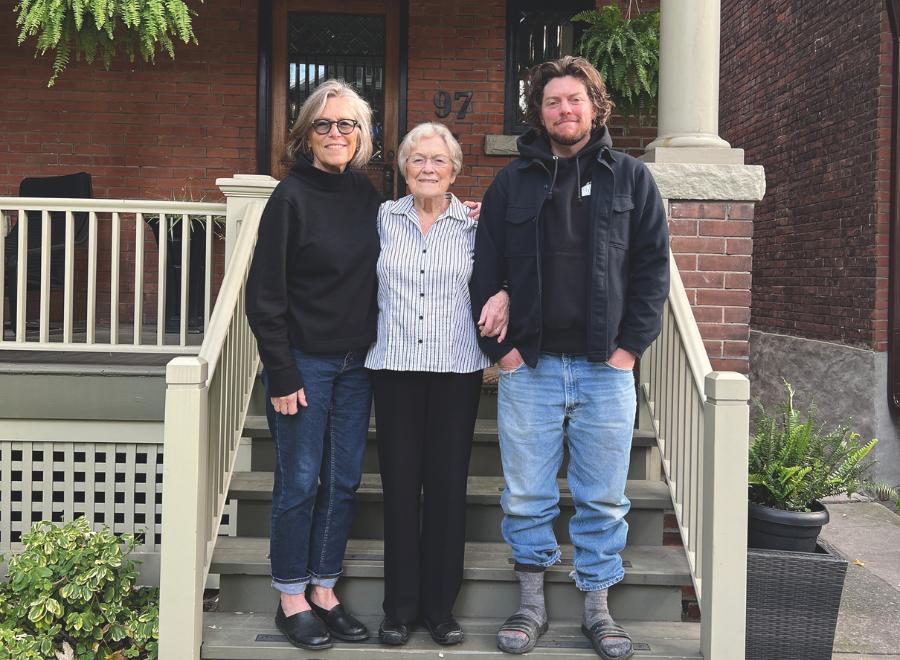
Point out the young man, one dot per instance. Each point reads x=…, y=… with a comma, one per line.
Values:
x=577, y=235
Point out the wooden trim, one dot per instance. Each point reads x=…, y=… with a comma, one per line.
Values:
x=263, y=86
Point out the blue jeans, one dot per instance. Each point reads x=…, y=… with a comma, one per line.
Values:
x=318, y=466
x=595, y=403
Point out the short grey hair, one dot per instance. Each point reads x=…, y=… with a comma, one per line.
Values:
x=424, y=130
x=298, y=140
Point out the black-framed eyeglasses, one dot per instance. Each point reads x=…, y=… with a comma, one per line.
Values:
x=344, y=126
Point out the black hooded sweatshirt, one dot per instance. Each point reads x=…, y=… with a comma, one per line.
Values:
x=566, y=241
x=312, y=282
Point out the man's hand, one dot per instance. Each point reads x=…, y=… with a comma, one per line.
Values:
x=622, y=359
x=287, y=405
x=494, y=319
x=510, y=361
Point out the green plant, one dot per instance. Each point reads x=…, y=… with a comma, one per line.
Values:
x=793, y=462
x=625, y=50
x=70, y=594
x=95, y=28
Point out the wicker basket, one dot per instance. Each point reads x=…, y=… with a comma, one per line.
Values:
x=792, y=603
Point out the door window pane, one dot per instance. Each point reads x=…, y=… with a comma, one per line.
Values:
x=323, y=46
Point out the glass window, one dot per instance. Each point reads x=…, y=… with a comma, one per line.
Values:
x=535, y=34
x=323, y=46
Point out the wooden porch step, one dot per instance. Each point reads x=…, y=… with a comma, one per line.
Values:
x=649, y=502
x=253, y=636
x=651, y=590
x=256, y=426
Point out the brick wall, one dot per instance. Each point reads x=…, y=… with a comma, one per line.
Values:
x=712, y=245
x=805, y=90
x=142, y=131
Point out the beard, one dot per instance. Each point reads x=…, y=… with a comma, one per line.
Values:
x=567, y=139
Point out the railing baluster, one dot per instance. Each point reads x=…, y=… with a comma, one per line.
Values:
x=207, y=273
x=114, y=280
x=44, y=322
x=22, y=276
x=161, y=279
x=69, y=280
x=138, y=317
x=92, y=278
x=185, y=272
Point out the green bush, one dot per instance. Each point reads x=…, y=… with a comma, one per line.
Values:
x=92, y=28
x=625, y=51
x=794, y=462
x=70, y=594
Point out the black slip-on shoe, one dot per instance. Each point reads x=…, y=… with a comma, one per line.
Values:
x=304, y=630
x=393, y=633
x=340, y=623
x=447, y=633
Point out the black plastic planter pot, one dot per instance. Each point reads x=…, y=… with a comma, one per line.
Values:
x=774, y=529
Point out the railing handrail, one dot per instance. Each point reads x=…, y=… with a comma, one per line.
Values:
x=81, y=205
x=695, y=351
x=235, y=275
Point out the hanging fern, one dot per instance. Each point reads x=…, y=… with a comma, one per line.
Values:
x=625, y=51
x=93, y=29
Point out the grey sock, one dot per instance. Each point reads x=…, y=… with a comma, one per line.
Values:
x=596, y=610
x=531, y=604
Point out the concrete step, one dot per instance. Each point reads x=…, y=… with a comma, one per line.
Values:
x=253, y=636
x=649, y=501
x=651, y=589
x=485, y=460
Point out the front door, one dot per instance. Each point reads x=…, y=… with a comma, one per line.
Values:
x=358, y=41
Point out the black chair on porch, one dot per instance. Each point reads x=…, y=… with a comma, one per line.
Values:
x=76, y=185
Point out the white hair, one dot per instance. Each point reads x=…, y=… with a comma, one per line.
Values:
x=424, y=130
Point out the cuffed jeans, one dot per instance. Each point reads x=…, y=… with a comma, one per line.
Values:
x=318, y=466
x=595, y=403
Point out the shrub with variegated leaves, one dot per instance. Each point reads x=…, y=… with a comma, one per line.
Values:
x=71, y=593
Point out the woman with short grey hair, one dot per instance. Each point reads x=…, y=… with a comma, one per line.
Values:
x=427, y=370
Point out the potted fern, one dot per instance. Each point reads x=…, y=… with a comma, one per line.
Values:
x=794, y=463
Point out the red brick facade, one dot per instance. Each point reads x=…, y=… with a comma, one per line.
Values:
x=712, y=245
x=805, y=90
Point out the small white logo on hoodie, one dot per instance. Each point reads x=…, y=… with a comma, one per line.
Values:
x=586, y=189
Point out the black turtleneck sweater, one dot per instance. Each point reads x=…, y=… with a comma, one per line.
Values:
x=566, y=241
x=312, y=282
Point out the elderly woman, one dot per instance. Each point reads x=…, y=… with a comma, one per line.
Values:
x=427, y=369
x=311, y=302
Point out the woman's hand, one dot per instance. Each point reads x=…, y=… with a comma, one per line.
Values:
x=494, y=318
x=287, y=405
x=622, y=359
x=474, y=209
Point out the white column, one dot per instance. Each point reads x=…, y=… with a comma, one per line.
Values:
x=241, y=192
x=689, y=86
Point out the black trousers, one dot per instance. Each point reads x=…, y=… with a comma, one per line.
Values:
x=425, y=423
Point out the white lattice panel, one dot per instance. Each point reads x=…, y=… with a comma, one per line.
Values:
x=117, y=485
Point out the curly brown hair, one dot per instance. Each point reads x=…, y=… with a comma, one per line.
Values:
x=577, y=67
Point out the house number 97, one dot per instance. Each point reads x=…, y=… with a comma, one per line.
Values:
x=443, y=103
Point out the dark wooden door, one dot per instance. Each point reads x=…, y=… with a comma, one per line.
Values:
x=315, y=40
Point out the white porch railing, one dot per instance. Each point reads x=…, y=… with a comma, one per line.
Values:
x=109, y=312
x=701, y=420
x=206, y=401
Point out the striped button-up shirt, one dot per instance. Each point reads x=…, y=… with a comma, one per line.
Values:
x=424, y=311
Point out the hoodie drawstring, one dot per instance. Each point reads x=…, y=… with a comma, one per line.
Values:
x=553, y=181
x=578, y=176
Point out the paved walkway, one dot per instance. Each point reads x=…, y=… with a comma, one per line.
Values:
x=867, y=534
